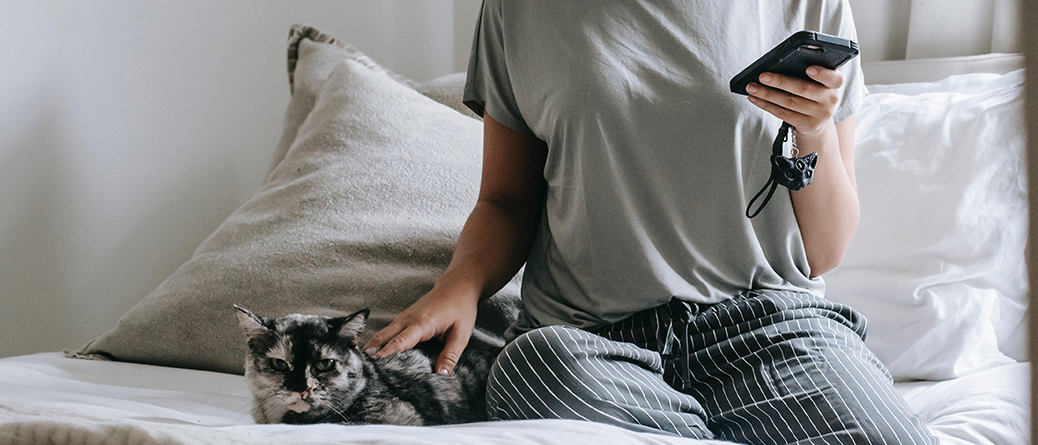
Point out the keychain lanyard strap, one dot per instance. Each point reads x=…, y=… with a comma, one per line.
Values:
x=776, y=151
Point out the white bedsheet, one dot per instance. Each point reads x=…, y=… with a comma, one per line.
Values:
x=48, y=398
x=46, y=395
x=989, y=407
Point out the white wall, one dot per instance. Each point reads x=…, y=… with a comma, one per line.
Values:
x=129, y=130
x=916, y=29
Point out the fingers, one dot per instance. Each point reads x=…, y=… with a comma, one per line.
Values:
x=402, y=341
x=381, y=337
x=456, y=342
x=830, y=78
x=806, y=104
x=822, y=80
x=800, y=87
x=794, y=118
x=792, y=102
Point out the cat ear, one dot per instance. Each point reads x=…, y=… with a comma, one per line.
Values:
x=352, y=325
x=250, y=323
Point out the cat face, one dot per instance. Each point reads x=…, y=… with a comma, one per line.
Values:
x=303, y=367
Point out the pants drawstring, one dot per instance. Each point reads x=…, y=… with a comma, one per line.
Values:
x=678, y=317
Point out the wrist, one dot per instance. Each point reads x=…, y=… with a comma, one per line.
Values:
x=817, y=140
x=459, y=284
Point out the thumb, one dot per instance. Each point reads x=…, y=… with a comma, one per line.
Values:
x=457, y=340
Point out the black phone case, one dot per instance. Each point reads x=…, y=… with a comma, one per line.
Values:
x=794, y=55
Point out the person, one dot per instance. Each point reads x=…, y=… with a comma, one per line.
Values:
x=617, y=167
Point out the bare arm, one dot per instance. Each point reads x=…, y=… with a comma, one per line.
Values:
x=827, y=210
x=493, y=245
x=499, y=234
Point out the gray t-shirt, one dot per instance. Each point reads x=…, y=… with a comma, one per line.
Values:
x=651, y=160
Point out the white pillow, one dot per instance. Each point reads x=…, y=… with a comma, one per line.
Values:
x=937, y=264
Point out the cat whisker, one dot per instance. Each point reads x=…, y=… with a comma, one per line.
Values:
x=242, y=412
x=344, y=417
x=341, y=401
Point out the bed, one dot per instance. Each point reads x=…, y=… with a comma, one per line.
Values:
x=940, y=145
x=48, y=398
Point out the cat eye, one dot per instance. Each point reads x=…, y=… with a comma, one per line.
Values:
x=325, y=365
x=278, y=365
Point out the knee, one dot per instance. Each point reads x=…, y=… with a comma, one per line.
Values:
x=551, y=348
x=564, y=343
x=538, y=375
x=559, y=345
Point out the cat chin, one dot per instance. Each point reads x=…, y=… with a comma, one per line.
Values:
x=299, y=406
x=296, y=403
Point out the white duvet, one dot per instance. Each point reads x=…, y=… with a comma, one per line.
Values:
x=46, y=398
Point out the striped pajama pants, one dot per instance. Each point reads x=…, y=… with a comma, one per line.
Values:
x=766, y=367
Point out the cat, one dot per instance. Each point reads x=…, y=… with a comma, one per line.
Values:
x=304, y=369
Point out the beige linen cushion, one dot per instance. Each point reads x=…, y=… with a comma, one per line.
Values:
x=367, y=193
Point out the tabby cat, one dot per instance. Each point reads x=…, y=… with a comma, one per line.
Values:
x=305, y=369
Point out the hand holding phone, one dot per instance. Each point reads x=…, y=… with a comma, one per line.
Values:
x=794, y=55
x=797, y=81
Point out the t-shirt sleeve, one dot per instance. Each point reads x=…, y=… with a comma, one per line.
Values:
x=853, y=92
x=488, y=85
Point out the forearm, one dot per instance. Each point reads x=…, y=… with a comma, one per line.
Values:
x=493, y=246
x=827, y=209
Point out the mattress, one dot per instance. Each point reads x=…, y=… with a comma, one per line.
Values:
x=47, y=398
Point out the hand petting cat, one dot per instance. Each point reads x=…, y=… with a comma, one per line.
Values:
x=445, y=313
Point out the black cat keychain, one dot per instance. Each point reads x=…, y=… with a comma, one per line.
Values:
x=794, y=173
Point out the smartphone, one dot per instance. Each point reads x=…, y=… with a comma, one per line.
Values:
x=795, y=54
